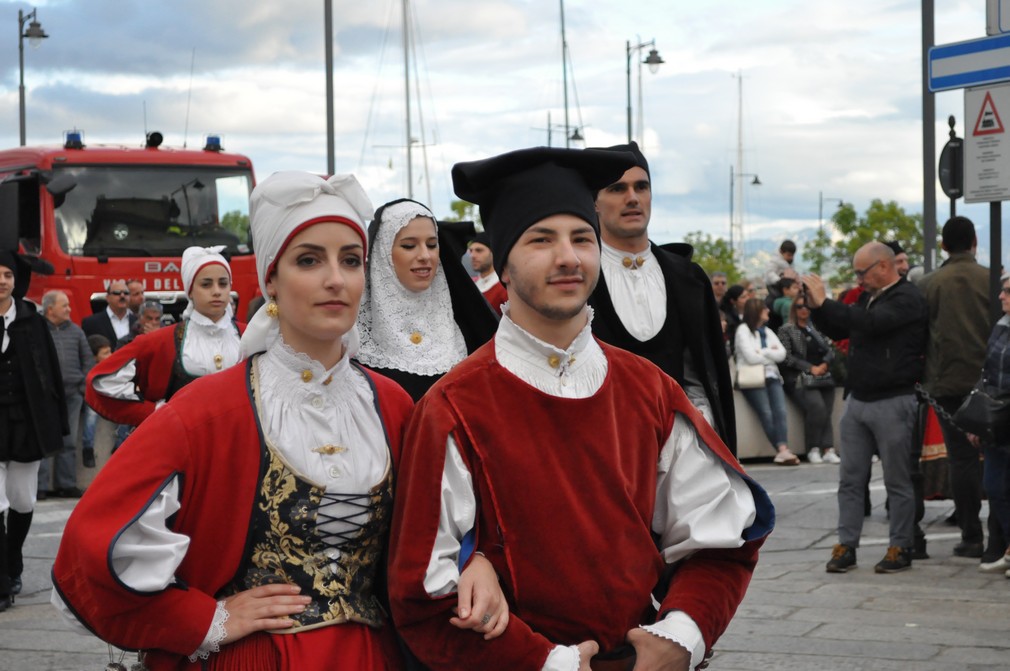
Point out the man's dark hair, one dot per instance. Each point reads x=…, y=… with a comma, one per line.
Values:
x=958, y=234
x=788, y=246
x=786, y=282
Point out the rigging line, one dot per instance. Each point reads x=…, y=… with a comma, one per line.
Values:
x=189, y=98
x=434, y=120
x=420, y=108
x=375, y=89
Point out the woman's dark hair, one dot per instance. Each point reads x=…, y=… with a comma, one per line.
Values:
x=752, y=311
x=730, y=297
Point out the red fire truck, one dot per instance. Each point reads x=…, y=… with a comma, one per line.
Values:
x=102, y=213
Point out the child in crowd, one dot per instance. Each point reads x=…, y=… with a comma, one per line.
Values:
x=101, y=348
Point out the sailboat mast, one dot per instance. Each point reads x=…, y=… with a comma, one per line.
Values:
x=406, y=90
x=564, y=72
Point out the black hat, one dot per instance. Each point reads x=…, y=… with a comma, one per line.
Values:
x=481, y=238
x=520, y=188
x=895, y=247
x=22, y=268
x=632, y=148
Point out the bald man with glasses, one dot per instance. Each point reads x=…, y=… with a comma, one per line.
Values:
x=887, y=332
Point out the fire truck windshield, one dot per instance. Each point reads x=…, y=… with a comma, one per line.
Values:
x=121, y=211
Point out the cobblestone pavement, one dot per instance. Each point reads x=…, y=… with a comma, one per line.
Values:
x=943, y=614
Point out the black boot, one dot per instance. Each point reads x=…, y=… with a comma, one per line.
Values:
x=6, y=600
x=18, y=525
x=997, y=543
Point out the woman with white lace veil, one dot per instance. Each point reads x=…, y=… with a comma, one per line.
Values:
x=243, y=526
x=421, y=314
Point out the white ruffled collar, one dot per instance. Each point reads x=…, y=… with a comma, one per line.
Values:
x=544, y=356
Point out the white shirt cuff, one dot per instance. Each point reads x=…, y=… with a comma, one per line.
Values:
x=562, y=658
x=679, y=628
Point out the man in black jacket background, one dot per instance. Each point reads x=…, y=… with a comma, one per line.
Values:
x=33, y=415
x=653, y=301
x=887, y=340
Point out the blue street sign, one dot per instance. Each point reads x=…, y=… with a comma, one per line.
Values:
x=971, y=63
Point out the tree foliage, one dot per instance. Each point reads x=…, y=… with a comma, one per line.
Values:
x=713, y=255
x=882, y=222
x=464, y=211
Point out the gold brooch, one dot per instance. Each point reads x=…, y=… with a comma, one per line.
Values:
x=416, y=338
x=554, y=361
x=328, y=380
x=633, y=263
x=329, y=449
x=218, y=361
x=306, y=375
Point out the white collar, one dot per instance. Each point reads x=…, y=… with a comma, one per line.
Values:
x=624, y=260
x=208, y=324
x=112, y=315
x=11, y=312
x=516, y=341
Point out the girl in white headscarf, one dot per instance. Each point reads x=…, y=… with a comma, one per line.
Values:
x=245, y=523
x=141, y=376
x=421, y=314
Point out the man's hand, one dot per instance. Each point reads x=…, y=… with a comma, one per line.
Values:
x=816, y=293
x=262, y=609
x=481, y=605
x=587, y=649
x=819, y=369
x=655, y=653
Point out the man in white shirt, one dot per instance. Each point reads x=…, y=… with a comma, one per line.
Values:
x=581, y=471
x=115, y=321
x=653, y=301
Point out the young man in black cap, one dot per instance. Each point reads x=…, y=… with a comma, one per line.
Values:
x=33, y=415
x=653, y=301
x=581, y=471
x=487, y=280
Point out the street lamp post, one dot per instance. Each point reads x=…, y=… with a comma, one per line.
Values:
x=35, y=35
x=820, y=208
x=653, y=60
x=733, y=224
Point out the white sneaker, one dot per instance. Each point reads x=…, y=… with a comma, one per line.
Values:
x=814, y=457
x=831, y=457
x=998, y=566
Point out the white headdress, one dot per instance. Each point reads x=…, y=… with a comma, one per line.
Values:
x=193, y=260
x=279, y=207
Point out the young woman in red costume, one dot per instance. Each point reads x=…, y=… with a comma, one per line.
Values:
x=244, y=525
x=140, y=377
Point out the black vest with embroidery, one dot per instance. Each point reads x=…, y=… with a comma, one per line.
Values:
x=337, y=570
x=180, y=378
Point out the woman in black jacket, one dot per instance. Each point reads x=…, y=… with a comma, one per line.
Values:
x=808, y=381
x=33, y=415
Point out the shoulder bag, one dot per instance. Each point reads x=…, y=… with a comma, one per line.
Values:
x=985, y=415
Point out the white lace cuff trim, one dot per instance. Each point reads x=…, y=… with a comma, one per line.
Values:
x=212, y=642
x=562, y=658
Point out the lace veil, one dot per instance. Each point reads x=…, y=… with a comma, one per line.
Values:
x=401, y=329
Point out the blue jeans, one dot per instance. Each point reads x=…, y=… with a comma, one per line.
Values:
x=91, y=421
x=769, y=402
x=996, y=481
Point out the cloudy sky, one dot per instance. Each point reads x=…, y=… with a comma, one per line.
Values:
x=831, y=91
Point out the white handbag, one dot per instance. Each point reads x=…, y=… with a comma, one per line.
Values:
x=750, y=375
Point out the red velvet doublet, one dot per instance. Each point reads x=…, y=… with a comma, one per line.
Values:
x=566, y=490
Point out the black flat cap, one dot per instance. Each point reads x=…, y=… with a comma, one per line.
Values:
x=520, y=188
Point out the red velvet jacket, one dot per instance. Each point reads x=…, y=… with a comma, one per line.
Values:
x=208, y=436
x=154, y=356
x=565, y=493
